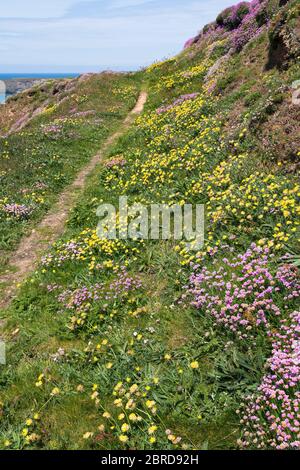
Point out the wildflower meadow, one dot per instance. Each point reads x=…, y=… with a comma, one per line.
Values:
x=145, y=344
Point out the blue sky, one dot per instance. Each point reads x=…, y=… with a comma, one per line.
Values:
x=90, y=35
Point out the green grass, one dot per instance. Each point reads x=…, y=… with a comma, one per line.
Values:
x=36, y=166
x=196, y=371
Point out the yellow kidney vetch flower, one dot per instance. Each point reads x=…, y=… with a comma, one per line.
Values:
x=194, y=365
x=125, y=427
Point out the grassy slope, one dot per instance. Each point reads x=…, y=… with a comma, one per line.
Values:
x=150, y=337
x=38, y=162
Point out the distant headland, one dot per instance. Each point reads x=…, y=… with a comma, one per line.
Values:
x=17, y=82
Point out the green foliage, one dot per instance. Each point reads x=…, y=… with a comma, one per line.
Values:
x=39, y=162
x=93, y=365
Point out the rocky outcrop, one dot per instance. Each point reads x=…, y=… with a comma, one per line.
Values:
x=16, y=85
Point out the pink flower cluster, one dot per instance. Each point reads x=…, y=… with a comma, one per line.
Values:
x=239, y=294
x=240, y=23
x=72, y=250
x=271, y=417
x=232, y=17
x=250, y=27
x=115, y=162
x=40, y=185
x=177, y=102
x=244, y=296
x=53, y=129
x=83, y=297
x=20, y=211
x=81, y=114
x=124, y=283
x=189, y=43
x=288, y=276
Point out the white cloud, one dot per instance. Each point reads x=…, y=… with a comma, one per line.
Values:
x=132, y=40
x=127, y=3
x=35, y=8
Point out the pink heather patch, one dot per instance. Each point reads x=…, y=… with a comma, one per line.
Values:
x=177, y=102
x=19, y=211
x=240, y=23
x=83, y=113
x=189, y=43
x=270, y=417
x=115, y=162
x=241, y=296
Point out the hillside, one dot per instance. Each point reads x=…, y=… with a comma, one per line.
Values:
x=145, y=344
x=50, y=132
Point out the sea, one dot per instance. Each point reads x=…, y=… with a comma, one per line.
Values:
x=11, y=76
